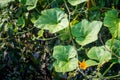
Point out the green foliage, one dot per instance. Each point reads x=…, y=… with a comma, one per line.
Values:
x=114, y=45
x=56, y=39
x=4, y=3
x=112, y=21
x=31, y=4
x=53, y=20
x=20, y=22
x=91, y=63
x=65, y=58
x=40, y=33
x=86, y=32
x=99, y=54
x=76, y=2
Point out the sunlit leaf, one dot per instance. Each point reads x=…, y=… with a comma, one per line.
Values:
x=40, y=33
x=112, y=21
x=76, y=2
x=31, y=4
x=91, y=63
x=100, y=54
x=66, y=66
x=86, y=32
x=53, y=20
x=65, y=58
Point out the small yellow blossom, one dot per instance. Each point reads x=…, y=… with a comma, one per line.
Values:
x=82, y=65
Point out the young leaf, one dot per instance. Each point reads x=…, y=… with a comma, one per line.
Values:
x=31, y=4
x=76, y=2
x=20, y=22
x=65, y=58
x=53, y=20
x=86, y=32
x=40, y=33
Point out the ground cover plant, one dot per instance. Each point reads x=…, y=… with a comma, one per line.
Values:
x=59, y=39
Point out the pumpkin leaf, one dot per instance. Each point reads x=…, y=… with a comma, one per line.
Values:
x=53, y=20
x=86, y=32
x=91, y=63
x=66, y=66
x=76, y=2
x=65, y=58
x=100, y=54
x=31, y=4
x=112, y=21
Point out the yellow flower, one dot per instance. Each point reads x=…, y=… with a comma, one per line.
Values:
x=82, y=65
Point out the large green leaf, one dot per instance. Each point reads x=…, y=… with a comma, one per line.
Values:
x=53, y=20
x=31, y=4
x=76, y=2
x=86, y=32
x=65, y=58
x=100, y=54
x=112, y=21
x=66, y=66
x=64, y=52
x=4, y=3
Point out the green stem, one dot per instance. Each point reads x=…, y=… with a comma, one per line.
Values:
x=18, y=33
x=73, y=12
x=4, y=38
x=81, y=48
x=83, y=74
x=98, y=71
x=93, y=3
x=110, y=77
x=69, y=16
x=112, y=42
x=108, y=69
x=37, y=11
x=49, y=4
x=47, y=39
